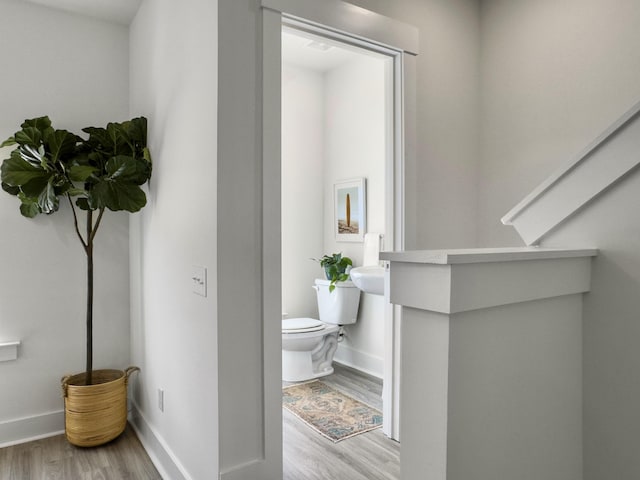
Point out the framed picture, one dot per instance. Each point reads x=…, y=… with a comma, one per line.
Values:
x=350, y=210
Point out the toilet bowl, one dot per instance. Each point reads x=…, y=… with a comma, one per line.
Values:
x=307, y=353
x=308, y=344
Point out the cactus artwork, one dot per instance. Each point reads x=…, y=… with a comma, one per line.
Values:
x=350, y=210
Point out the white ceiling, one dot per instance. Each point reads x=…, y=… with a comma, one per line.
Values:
x=296, y=51
x=118, y=11
x=295, y=43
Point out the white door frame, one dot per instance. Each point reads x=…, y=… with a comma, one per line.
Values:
x=352, y=25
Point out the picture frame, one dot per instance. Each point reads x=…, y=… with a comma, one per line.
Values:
x=350, y=210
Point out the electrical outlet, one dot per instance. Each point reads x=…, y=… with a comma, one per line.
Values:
x=199, y=280
x=161, y=399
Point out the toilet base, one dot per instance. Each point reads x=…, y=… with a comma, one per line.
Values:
x=298, y=367
x=302, y=365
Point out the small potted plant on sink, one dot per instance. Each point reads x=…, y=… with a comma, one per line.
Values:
x=103, y=172
x=336, y=268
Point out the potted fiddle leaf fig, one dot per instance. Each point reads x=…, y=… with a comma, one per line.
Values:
x=336, y=268
x=102, y=172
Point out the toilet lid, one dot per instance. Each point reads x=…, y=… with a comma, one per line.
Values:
x=301, y=325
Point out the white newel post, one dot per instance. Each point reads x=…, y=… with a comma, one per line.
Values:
x=491, y=362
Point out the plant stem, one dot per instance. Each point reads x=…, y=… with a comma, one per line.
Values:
x=95, y=228
x=75, y=223
x=89, y=250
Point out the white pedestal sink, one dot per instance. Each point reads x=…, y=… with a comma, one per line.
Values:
x=369, y=279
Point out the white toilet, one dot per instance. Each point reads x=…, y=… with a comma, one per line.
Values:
x=308, y=345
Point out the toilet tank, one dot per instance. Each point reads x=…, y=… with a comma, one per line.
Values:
x=339, y=307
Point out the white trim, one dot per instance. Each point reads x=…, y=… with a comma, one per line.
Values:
x=161, y=455
x=357, y=26
x=361, y=361
x=34, y=427
x=460, y=287
x=486, y=255
x=270, y=465
x=527, y=349
x=251, y=469
x=347, y=19
x=597, y=167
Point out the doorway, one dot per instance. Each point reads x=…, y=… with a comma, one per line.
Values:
x=337, y=125
x=354, y=26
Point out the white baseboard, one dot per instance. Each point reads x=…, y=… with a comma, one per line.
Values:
x=165, y=461
x=247, y=470
x=365, y=362
x=27, y=429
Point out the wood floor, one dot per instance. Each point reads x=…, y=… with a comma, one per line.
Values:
x=307, y=454
x=54, y=458
x=369, y=456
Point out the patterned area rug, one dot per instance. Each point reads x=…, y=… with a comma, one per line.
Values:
x=331, y=413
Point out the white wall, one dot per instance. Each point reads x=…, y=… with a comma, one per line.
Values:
x=447, y=129
x=355, y=119
x=174, y=331
x=555, y=75
x=302, y=188
x=356, y=114
x=610, y=330
x=75, y=70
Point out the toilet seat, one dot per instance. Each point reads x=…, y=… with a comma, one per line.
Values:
x=302, y=325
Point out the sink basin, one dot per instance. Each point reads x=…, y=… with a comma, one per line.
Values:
x=369, y=279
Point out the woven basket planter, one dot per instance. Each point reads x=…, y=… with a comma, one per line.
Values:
x=95, y=414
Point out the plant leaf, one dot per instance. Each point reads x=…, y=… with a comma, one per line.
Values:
x=98, y=137
x=117, y=138
x=117, y=196
x=74, y=192
x=29, y=136
x=34, y=187
x=83, y=204
x=29, y=207
x=48, y=200
x=136, y=130
x=10, y=190
x=40, y=123
x=61, y=144
x=61, y=185
x=32, y=155
x=8, y=142
x=128, y=169
x=80, y=173
x=16, y=172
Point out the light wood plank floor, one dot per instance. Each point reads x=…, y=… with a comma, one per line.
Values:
x=54, y=458
x=307, y=454
x=369, y=456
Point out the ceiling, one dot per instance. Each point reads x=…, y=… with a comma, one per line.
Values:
x=117, y=11
x=295, y=43
x=296, y=51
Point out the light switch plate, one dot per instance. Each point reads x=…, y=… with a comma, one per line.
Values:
x=9, y=351
x=161, y=400
x=199, y=280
